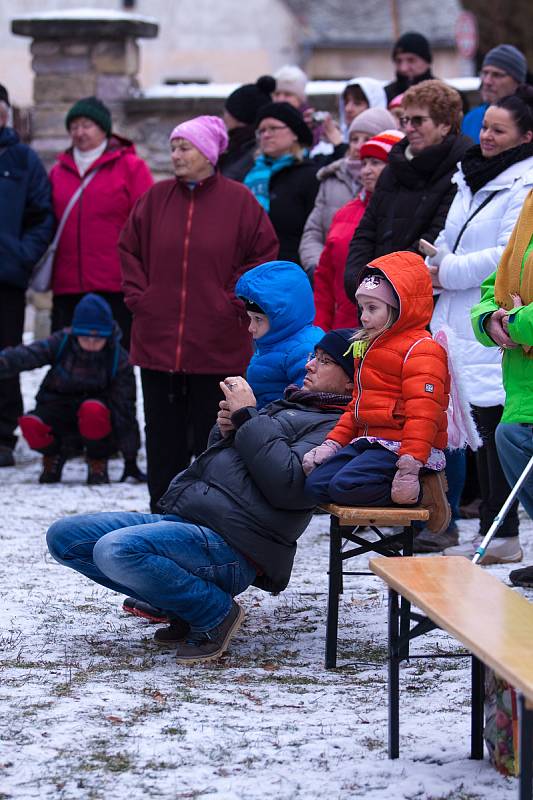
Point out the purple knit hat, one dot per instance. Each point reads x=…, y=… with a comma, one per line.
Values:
x=207, y=134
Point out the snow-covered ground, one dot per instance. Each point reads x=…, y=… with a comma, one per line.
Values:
x=92, y=708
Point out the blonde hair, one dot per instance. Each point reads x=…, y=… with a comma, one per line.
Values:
x=362, y=335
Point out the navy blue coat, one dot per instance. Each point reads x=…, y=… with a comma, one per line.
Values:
x=81, y=375
x=283, y=291
x=26, y=218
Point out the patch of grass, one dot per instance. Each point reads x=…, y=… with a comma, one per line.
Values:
x=173, y=730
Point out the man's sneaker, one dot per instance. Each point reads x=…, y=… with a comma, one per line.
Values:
x=97, y=471
x=210, y=645
x=499, y=551
x=7, y=459
x=522, y=577
x=427, y=542
x=52, y=468
x=141, y=609
x=177, y=631
x=434, y=486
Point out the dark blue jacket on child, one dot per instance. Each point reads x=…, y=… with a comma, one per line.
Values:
x=81, y=375
x=282, y=290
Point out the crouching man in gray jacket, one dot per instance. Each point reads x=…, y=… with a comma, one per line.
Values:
x=230, y=519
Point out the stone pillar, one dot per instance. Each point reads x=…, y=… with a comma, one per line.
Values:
x=76, y=54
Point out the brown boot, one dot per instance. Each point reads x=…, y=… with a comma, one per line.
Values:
x=52, y=468
x=97, y=471
x=434, y=486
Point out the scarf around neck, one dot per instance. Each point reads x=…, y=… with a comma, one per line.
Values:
x=478, y=170
x=510, y=277
x=259, y=177
x=317, y=399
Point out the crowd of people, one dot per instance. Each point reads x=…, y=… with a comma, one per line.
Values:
x=313, y=253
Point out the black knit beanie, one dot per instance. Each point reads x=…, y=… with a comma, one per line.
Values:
x=245, y=102
x=412, y=42
x=92, y=108
x=335, y=344
x=291, y=117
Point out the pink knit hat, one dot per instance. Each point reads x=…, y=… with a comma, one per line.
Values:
x=380, y=146
x=377, y=287
x=207, y=134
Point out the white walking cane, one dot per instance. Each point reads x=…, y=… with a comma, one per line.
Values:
x=499, y=518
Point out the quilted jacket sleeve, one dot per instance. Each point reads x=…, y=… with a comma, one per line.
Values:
x=425, y=395
x=345, y=430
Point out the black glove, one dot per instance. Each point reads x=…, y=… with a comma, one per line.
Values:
x=131, y=470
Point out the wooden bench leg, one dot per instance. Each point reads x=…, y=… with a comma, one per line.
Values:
x=334, y=589
x=478, y=709
x=394, y=675
x=526, y=751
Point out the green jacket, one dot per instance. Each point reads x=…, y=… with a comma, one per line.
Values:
x=516, y=365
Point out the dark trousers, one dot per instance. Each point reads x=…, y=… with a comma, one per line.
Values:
x=62, y=416
x=179, y=412
x=63, y=306
x=358, y=475
x=493, y=485
x=12, y=306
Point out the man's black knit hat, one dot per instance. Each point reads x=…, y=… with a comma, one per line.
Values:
x=335, y=344
x=412, y=42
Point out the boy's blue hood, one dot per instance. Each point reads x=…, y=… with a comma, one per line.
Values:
x=283, y=291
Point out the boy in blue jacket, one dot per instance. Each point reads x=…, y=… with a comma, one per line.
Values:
x=279, y=302
x=89, y=391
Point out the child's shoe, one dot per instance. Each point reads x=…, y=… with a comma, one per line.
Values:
x=52, y=468
x=434, y=486
x=97, y=471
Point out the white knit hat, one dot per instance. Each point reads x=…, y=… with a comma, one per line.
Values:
x=291, y=78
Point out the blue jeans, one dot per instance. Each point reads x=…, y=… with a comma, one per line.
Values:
x=455, y=475
x=515, y=447
x=184, y=569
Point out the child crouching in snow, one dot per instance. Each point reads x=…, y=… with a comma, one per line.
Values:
x=393, y=433
x=89, y=391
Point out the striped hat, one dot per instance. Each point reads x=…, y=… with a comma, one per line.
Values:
x=380, y=146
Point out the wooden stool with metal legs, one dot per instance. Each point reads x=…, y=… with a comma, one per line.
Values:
x=345, y=522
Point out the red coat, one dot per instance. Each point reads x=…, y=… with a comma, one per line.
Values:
x=87, y=257
x=333, y=309
x=182, y=252
x=402, y=384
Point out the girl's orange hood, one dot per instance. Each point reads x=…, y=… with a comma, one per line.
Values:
x=409, y=276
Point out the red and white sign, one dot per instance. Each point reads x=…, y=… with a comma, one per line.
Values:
x=466, y=34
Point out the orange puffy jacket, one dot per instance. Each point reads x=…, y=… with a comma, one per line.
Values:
x=401, y=384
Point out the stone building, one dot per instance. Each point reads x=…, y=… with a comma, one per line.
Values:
x=232, y=41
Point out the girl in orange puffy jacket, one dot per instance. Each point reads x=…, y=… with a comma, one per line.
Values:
x=396, y=424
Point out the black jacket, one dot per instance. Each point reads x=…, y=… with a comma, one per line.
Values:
x=292, y=198
x=78, y=374
x=401, y=84
x=238, y=159
x=249, y=487
x=411, y=202
x=26, y=217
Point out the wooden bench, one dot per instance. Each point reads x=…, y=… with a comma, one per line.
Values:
x=345, y=522
x=493, y=622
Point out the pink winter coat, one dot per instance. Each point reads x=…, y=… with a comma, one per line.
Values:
x=87, y=256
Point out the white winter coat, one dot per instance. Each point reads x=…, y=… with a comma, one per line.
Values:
x=477, y=256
